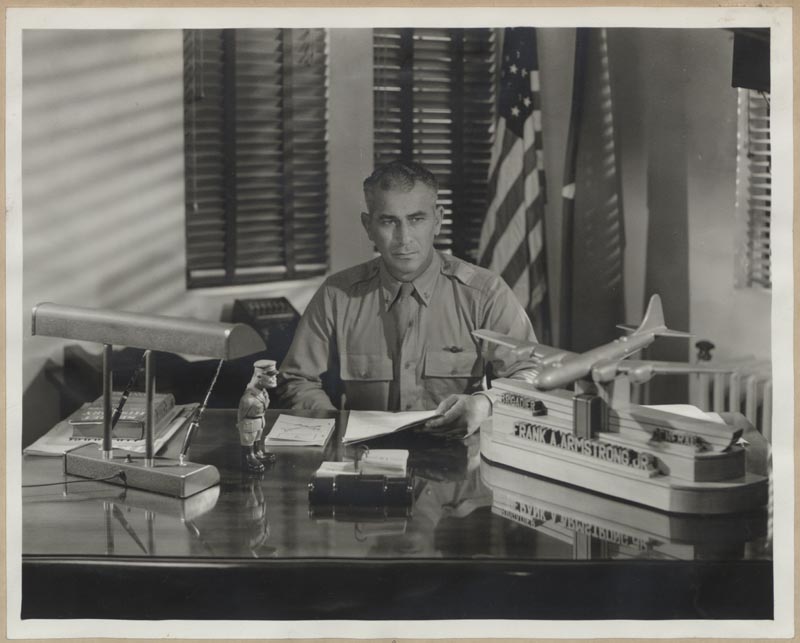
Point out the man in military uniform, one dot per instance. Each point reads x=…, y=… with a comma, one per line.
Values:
x=394, y=333
x=250, y=416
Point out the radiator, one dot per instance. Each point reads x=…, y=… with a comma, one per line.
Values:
x=746, y=388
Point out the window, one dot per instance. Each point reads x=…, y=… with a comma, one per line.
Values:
x=754, y=196
x=255, y=103
x=435, y=103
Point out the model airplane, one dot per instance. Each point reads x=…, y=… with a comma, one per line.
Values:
x=558, y=367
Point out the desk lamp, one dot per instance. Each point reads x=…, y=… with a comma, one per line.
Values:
x=179, y=478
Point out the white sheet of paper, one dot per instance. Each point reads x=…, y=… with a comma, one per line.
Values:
x=375, y=461
x=290, y=430
x=336, y=468
x=369, y=424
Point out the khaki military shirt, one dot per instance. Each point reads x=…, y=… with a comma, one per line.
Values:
x=344, y=352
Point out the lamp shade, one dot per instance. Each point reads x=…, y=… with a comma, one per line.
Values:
x=153, y=332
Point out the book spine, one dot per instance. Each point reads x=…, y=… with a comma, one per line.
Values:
x=133, y=412
x=94, y=430
x=123, y=430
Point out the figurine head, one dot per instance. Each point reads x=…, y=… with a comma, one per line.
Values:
x=265, y=373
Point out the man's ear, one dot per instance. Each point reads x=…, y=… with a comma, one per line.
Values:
x=365, y=220
x=439, y=216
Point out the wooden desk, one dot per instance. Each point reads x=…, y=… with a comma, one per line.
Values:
x=254, y=549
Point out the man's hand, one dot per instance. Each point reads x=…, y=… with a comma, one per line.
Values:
x=461, y=415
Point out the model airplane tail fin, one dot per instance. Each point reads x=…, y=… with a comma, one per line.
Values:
x=653, y=321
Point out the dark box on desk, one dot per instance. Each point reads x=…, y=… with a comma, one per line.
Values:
x=360, y=490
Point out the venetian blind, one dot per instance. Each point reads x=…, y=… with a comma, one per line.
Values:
x=435, y=103
x=757, y=187
x=256, y=155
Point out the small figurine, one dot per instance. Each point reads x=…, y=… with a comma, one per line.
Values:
x=250, y=416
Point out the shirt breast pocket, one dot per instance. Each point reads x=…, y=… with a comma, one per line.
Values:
x=462, y=364
x=366, y=368
x=366, y=380
x=448, y=373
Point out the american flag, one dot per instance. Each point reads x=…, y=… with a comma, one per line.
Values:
x=512, y=237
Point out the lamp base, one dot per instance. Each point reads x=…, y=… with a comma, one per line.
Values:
x=165, y=476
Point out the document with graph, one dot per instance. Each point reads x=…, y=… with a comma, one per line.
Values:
x=294, y=431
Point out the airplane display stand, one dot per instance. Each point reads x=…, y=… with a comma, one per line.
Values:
x=594, y=438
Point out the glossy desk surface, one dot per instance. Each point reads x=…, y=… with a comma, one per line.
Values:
x=460, y=520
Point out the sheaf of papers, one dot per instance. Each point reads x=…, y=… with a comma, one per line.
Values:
x=363, y=425
x=58, y=440
x=293, y=431
x=389, y=462
x=687, y=410
x=386, y=461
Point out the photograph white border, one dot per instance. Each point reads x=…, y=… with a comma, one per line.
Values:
x=778, y=19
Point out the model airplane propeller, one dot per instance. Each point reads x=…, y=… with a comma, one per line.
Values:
x=558, y=367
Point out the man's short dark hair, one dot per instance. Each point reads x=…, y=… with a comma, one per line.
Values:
x=397, y=175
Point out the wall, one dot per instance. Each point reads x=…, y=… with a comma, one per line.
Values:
x=350, y=142
x=103, y=177
x=677, y=114
x=103, y=187
x=102, y=167
x=737, y=320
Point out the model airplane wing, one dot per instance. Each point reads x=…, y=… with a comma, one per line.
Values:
x=666, y=368
x=640, y=371
x=532, y=350
x=504, y=340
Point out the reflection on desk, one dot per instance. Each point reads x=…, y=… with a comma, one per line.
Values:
x=602, y=527
x=464, y=510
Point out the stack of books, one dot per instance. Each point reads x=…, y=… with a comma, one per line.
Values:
x=87, y=422
x=673, y=461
